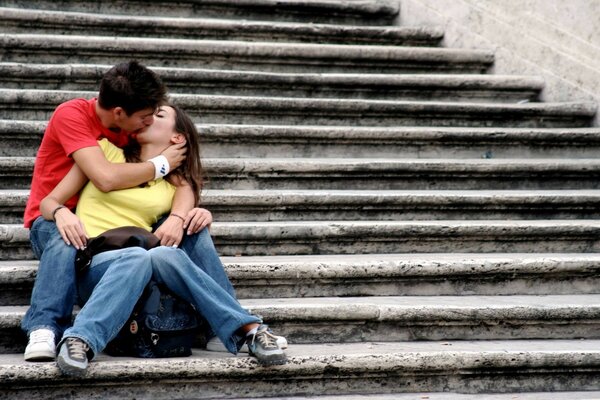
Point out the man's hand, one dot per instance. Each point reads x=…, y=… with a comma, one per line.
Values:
x=175, y=155
x=71, y=229
x=197, y=219
x=170, y=232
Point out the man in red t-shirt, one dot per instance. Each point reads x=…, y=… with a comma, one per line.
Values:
x=128, y=98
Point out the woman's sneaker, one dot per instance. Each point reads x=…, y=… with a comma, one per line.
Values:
x=263, y=345
x=41, y=346
x=73, y=357
x=215, y=344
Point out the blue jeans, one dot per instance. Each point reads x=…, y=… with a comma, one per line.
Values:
x=174, y=269
x=108, y=291
x=55, y=290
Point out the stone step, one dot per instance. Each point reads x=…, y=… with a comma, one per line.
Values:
x=372, y=237
x=454, y=396
x=22, y=104
x=372, y=174
x=243, y=55
x=22, y=138
x=379, y=275
x=15, y=20
x=369, y=12
x=413, y=318
x=327, y=369
x=347, y=205
x=440, y=87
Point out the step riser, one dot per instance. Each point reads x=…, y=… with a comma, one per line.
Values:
x=353, y=330
x=370, y=245
x=246, y=288
x=313, y=91
x=441, y=181
x=215, y=60
x=238, y=114
x=270, y=11
x=333, y=381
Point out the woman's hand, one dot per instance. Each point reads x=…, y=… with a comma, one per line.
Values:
x=71, y=228
x=197, y=219
x=170, y=232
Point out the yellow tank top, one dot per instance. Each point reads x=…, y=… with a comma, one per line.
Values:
x=137, y=206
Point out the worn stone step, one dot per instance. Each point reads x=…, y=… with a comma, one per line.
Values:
x=350, y=368
x=22, y=104
x=372, y=174
x=454, y=396
x=320, y=205
x=378, y=12
x=22, y=138
x=372, y=237
x=230, y=54
x=440, y=87
x=386, y=318
x=379, y=275
x=15, y=20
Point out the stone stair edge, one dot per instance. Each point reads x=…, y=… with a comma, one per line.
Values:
x=375, y=265
x=370, y=356
x=190, y=26
x=176, y=74
x=55, y=97
x=381, y=12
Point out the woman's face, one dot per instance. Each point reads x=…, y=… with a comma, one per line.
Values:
x=162, y=131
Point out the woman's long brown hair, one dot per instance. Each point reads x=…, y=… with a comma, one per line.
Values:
x=191, y=170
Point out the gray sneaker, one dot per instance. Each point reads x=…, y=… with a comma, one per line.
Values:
x=263, y=345
x=72, y=357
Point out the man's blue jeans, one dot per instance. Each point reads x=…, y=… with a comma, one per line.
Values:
x=55, y=289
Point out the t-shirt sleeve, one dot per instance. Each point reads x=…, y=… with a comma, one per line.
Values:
x=73, y=129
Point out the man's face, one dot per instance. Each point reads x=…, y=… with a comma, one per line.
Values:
x=135, y=122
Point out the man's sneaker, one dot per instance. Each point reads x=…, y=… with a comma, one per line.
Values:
x=72, y=357
x=215, y=344
x=263, y=345
x=41, y=346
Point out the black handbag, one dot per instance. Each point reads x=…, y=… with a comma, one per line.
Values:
x=161, y=325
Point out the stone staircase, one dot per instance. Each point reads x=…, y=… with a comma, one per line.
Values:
x=412, y=224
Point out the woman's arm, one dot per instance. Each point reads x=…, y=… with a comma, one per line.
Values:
x=70, y=227
x=170, y=232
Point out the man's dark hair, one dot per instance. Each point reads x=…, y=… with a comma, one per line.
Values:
x=132, y=87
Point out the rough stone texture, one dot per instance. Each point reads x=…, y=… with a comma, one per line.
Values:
x=467, y=367
x=263, y=56
x=60, y=22
x=442, y=87
x=39, y=104
x=381, y=12
x=549, y=38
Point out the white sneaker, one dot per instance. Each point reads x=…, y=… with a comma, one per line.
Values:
x=41, y=346
x=215, y=344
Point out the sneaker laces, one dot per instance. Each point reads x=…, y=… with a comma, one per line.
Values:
x=266, y=339
x=77, y=349
x=41, y=336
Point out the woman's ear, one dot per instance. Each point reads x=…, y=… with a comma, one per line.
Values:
x=177, y=138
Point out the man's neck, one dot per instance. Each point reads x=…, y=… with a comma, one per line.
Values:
x=106, y=118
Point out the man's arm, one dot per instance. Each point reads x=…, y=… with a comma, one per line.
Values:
x=108, y=176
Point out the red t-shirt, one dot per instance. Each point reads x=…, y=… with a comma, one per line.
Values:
x=73, y=126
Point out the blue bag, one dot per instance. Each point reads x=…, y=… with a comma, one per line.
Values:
x=161, y=325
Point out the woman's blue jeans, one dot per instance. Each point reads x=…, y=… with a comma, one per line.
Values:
x=55, y=290
x=108, y=291
x=174, y=269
